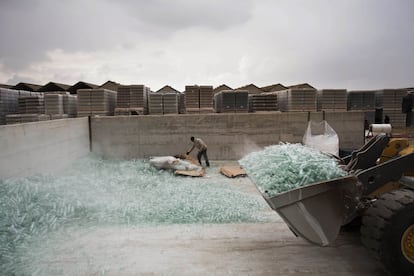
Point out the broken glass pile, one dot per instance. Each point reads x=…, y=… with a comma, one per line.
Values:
x=283, y=167
x=96, y=193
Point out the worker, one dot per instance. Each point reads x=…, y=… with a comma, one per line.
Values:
x=202, y=149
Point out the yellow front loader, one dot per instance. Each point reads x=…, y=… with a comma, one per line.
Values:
x=379, y=189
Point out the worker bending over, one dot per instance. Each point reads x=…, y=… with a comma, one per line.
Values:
x=202, y=149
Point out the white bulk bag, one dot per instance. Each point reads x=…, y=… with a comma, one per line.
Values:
x=326, y=140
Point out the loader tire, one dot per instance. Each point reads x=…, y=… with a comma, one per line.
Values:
x=388, y=231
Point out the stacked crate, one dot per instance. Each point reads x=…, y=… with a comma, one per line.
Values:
x=25, y=118
x=192, y=99
x=231, y=101
x=242, y=101
x=389, y=101
x=96, y=102
x=181, y=105
x=263, y=102
x=21, y=106
x=332, y=100
x=225, y=101
x=170, y=102
x=138, y=95
x=31, y=104
x=53, y=104
x=155, y=106
x=57, y=105
x=84, y=103
x=296, y=100
x=131, y=99
x=206, y=99
x=8, y=103
x=70, y=105
x=199, y=99
x=363, y=100
x=123, y=98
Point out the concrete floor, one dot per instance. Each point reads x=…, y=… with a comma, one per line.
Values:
x=225, y=249
x=252, y=249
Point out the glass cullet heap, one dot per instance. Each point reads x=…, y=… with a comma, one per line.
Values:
x=283, y=167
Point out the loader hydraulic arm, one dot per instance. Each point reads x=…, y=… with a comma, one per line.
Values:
x=367, y=156
x=379, y=175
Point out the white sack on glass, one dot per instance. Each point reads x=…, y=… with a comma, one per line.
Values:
x=326, y=140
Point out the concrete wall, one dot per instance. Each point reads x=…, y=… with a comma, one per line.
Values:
x=228, y=136
x=49, y=146
x=42, y=147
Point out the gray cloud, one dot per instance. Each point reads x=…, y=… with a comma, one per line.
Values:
x=352, y=43
x=179, y=14
x=17, y=78
x=31, y=28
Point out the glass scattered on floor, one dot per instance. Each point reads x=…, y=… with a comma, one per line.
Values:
x=96, y=193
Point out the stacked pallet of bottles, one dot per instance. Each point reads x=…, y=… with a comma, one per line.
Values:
x=390, y=100
x=123, y=100
x=181, y=103
x=96, y=102
x=25, y=118
x=192, y=99
x=332, y=100
x=33, y=104
x=231, y=101
x=155, y=106
x=123, y=97
x=206, y=99
x=297, y=100
x=53, y=104
x=30, y=106
x=131, y=99
x=263, y=102
x=363, y=100
x=241, y=101
x=8, y=103
x=225, y=101
x=56, y=105
x=170, y=103
x=84, y=103
x=70, y=105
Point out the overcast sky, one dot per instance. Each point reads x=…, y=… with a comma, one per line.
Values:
x=352, y=44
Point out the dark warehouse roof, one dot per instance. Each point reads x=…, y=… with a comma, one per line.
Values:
x=53, y=86
x=301, y=86
x=110, y=85
x=167, y=89
x=81, y=85
x=221, y=87
x=26, y=86
x=273, y=87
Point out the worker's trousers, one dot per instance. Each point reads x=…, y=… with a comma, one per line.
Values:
x=203, y=153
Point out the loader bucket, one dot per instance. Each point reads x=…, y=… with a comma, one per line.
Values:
x=317, y=211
